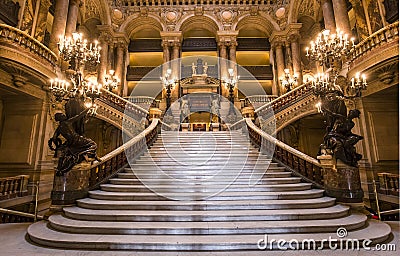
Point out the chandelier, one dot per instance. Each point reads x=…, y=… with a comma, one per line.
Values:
x=330, y=51
x=287, y=80
x=77, y=53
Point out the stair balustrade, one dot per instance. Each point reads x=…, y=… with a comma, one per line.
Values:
x=388, y=183
x=118, y=159
x=12, y=187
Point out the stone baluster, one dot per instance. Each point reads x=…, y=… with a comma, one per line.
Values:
x=59, y=23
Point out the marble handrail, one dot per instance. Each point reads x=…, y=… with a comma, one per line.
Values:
x=306, y=166
x=16, y=36
x=380, y=37
x=117, y=159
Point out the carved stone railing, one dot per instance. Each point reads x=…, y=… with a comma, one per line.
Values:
x=287, y=108
x=122, y=104
x=118, y=158
x=380, y=39
x=301, y=164
x=15, y=36
x=194, y=2
x=388, y=184
x=12, y=187
x=77, y=182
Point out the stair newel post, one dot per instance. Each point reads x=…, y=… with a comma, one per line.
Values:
x=341, y=181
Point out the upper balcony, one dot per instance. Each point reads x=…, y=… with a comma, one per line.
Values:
x=25, y=58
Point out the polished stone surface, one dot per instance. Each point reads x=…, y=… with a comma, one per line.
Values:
x=14, y=243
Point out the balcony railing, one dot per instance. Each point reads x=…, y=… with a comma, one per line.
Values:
x=12, y=187
x=380, y=38
x=195, y=2
x=388, y=183
x=17, y=37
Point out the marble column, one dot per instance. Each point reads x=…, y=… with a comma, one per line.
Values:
x=125, y=91
x=232, y=56
x=296, y=59
x=329, y=17
x=176, y=67
x=341, y=16
x=102, y=69
x=120, y=65
x=72, y=17
x=280, y=64
x=288, y=57
x=59, y=23
x=223, y=67
x=274, y=74
x=166, y=56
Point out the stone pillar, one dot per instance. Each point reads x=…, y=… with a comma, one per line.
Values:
x=233, y=65
x=120, y=64
x=341, y=16
x=73, y=12
x=280, y=64
x=104, y=39
x=223, y=67
x=125, y=91
x=35, y=17
x=176, y=48
x=59, y=23
x=329, y=17
x=274, y=73
x=288, y=57
x=166, y=55
x=296, y=59
x=42, y=20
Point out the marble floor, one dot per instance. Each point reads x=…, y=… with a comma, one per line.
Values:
x=14, y=243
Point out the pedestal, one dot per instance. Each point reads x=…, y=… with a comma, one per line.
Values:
x=70, y=187
x=341, y=181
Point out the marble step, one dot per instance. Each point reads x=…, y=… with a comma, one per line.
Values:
x=132, y=175
x=60, y=223
x=242, y=169
x=169, y=158
x=42, y=234
x=78, y=213
x=195, y=188
x=264, y=181
x=206, y=205
x=225, y=195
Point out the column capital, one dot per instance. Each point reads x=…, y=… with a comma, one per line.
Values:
x=171, y=37
x=227, y=37
x=106, y=33
x=121, y=40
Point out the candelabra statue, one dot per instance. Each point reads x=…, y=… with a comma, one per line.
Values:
x=169, y=84
x=288, y=81
x=329, y=51
x=79, y=94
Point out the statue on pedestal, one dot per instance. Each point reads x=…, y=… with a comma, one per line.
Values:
x=76, y=147
x=339, y=139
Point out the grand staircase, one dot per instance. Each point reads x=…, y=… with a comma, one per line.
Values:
x=195, y=191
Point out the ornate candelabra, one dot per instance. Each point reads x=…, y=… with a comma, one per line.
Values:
x=169, y=84
x=77, y=52
x=111, y=81
x=330, y=51
x=230, y=83
x=288, y=81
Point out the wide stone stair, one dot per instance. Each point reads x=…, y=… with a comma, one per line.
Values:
x=202, y=191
